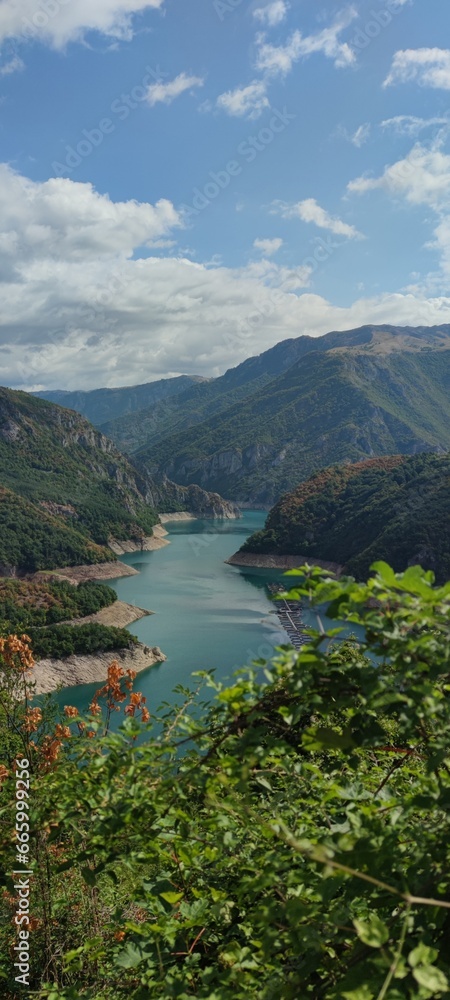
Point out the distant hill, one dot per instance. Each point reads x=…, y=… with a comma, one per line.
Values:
x=101, y=405
x=66, y=491
x=348, y=396
x=395, y=508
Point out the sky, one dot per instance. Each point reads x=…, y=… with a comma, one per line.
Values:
x=185, y=184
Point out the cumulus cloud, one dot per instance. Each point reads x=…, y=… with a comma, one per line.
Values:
x=268, y=247
x=82, y=307
x=245, y=102
x=278, y=60
x=428, y=67
x=165, y=93
x=58, y=22
x=272, y=14
x=310, y=211
x=421, y=178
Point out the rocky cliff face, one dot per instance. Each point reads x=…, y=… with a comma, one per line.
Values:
x=167, y=496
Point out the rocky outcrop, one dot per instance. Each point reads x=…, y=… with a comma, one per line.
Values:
x=192, y=499
x=50, y=674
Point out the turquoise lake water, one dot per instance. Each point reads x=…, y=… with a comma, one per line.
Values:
x=207, y=614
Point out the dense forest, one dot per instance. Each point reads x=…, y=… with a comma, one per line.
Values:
x=32, y=539
x=395, y=508
x=43, y=609
x=289, y=839
x=56, y=461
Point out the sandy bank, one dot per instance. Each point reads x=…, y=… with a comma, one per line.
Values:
x=78, y=574
x=148, y=544
x=180, y=515
x=272, y=561
x=119, y=614
x=73, y=670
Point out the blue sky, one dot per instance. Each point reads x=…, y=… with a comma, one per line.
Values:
x=185, y=184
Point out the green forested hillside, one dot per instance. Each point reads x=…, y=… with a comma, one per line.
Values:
x=31, y=539
x=396, y=509
x=343, y=404
x=66, y=488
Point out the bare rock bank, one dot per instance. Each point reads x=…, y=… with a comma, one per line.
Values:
x=148, y=544
x=268, y=560
x=180, y=515
x=49, y=674
x=120, y=614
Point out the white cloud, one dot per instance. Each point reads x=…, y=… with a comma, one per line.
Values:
x=310, y=211
x=276, y=60
x=412, y=126
x=429, y=67
x=273, y=13
x=58, y=22
x=78, y=310
x=421, y=178
x=14, y=65
x=165, y=93
x=268, y=247
x=358, y=137
x=249, y=101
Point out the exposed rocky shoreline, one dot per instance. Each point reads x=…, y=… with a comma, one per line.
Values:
x=180, y=515
x=50, y=674
x=120, y=614
x=267, y=560
x=148, y=544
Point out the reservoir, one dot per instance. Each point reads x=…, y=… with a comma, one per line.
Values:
x=207, y=615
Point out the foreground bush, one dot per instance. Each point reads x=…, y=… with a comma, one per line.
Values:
x=293, y=844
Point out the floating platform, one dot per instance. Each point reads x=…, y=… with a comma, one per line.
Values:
x=290, y=617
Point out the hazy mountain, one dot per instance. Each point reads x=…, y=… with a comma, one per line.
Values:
x=374, y=391
x=100, y=405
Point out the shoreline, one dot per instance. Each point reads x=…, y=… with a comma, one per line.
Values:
x=120, y=614
x=148, y=544
x=50, y=674
x=267, y=560
x=180, y=515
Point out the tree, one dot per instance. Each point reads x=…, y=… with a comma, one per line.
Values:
x=292, y=844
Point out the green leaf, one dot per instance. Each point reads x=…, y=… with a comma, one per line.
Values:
x=372, y=932
x=361, y=993
x=431, y=977
x=422, y=955
x=172, y=897
x=130, y=957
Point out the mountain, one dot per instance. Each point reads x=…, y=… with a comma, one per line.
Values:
x=368, y=392
x=199, y=402
x=396, y=509
x=101, y=405
x=67, y=491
